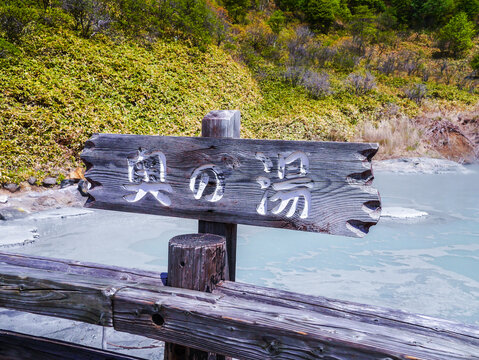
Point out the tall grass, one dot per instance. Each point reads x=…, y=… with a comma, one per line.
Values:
x=396, y=134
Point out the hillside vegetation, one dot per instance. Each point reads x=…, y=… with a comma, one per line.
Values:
x=75, y=67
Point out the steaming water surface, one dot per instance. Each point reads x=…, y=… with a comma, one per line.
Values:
x=427, y=264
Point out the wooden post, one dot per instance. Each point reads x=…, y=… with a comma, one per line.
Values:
x=222, y=124
x=195, y=262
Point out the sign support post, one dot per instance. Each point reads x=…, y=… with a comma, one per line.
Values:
x=222, y=124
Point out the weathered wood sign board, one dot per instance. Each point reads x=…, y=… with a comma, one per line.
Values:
x=301, y=185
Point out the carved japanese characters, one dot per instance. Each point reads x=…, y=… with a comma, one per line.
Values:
x=302, y=185
x=146, y=173
x=293, y=184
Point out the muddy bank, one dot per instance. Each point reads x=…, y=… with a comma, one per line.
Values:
x=453, y=135
x=24, y=202
x=436, y=132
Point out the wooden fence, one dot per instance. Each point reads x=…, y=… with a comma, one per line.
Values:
x=239, y=320
x=202, y=313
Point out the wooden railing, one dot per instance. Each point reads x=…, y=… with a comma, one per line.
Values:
x=239, y=320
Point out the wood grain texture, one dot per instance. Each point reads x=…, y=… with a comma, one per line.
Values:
x=81, y=268
x=247, y=327
x=342, y=199
x=67, y=289
x=229, y=232
x=222, y=124
x=195, y=262
x=68, y=296
x=16, y=346
x=376, y=315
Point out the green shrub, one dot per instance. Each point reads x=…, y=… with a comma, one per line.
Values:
x=90, y=16
x=470, y=7
x=432, y=13
x=475, y=62
x=276, y=21
x=14, y=20
x=455, y=38
x=375, y=5
x=8, y=49
x=321, y=13
x=237, y=9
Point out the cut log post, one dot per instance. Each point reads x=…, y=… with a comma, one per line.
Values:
x=222, y=124
x=195, y=262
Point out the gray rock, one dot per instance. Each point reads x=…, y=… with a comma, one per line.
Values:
x=12, y=187
x=12, y=213
x=3, y=199
x=45, y=201
x=50, y=181
x=32, y=180
x=83, y=187
x=67, y=182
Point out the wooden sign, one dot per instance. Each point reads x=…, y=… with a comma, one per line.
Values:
x=300, y=185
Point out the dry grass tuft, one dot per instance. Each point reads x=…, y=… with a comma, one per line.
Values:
x=396, y=134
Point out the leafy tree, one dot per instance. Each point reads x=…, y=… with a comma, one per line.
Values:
x=276, y=21
x=470, y=7
x=194, y=19
x=90, y=16
x=455, y=38
x=134, y=16
x=343, y=13
x=221, y=24
x=403, y=10
x=375, y=5
x=363, y=28
x=14, y=20
x=432, y=13
x=321, y=13
x=237, y=9
x=290, y=5
x=387, y=20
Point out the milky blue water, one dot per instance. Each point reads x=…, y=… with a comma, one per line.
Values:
x=427, y=265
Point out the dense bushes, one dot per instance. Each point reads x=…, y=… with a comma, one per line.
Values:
x=309, y=69
x=475, y=63
x=90, y=16
x=196, y=20
x=416, y=93
x=321, y=13
x=455, y=38
x=14, y=21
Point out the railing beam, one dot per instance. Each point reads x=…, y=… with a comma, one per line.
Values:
x=239, y=320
